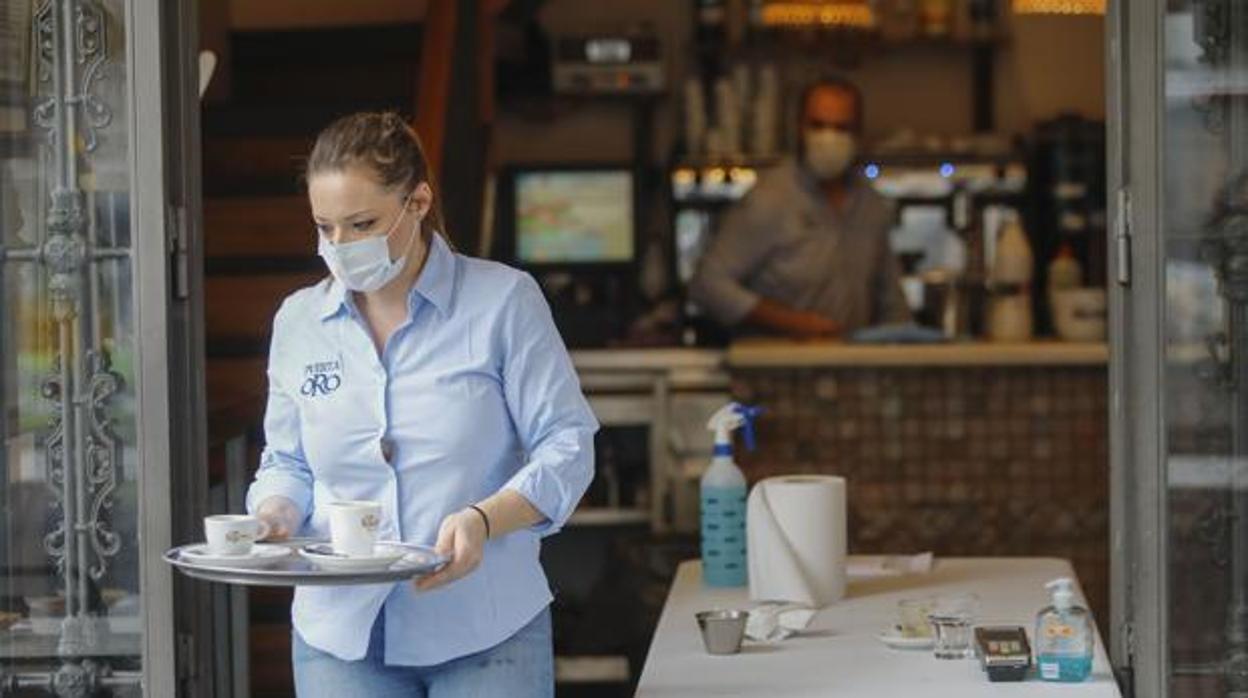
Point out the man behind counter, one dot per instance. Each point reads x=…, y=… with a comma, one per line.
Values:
x=806, y=253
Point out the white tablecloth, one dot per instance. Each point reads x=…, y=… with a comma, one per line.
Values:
x=839, y=655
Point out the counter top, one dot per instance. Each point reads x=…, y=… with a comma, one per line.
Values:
x=647, y=359
x=838, y=654
x=776, y=353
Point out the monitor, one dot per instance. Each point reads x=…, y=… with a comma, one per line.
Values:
x=573, y=216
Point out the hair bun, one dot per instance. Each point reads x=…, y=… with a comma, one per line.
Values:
x=389, y=123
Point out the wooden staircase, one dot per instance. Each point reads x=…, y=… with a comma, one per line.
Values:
x=259, y=242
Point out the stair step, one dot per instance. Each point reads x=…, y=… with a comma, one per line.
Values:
x=299, y=265
x=343, y=45
x=243, y=306
x=227, y=158
x=235, y=186
x=236, y=347
x=278, y=226
x=269, y=616
x=234, y=380
x=270, y=659
x=265, y=118
x=366, y=63
x=395, y=82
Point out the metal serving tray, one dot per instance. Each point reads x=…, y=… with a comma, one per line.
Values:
x=295, y=570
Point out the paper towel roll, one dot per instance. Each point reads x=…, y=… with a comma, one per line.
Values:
x=796, y=543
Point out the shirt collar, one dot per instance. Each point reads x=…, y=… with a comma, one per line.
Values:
x=436, y=283
x=807, y=182
x=335, y=298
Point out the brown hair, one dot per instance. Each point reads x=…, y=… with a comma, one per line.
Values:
x=387, y=146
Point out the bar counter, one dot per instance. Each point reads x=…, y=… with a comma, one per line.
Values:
x=771, y=353
x=971, y=449
x=980, y=450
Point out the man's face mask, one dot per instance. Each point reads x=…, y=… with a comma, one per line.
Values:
x=829, y=152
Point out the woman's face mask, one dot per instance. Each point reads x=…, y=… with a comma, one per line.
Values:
x=365, y=265
x=829, y=152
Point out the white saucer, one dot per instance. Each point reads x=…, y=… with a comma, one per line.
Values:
x=261, y=554
x=324, y=556
x=897, y=641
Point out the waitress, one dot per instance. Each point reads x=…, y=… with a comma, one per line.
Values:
x=437, y=385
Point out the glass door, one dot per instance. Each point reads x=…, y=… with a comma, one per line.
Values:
x=90, y=301
x=1180, y=154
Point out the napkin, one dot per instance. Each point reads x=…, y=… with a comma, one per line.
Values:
x=871, y=566
x=774, y=621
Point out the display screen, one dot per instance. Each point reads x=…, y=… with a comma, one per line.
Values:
x=569, y=217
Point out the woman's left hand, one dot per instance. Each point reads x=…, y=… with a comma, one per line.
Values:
x=462, y=539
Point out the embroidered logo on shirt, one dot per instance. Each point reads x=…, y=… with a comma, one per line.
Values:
x=322, y=378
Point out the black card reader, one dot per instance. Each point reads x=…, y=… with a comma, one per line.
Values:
x=1003, y=652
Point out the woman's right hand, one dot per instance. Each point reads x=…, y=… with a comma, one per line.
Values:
x=281, y=515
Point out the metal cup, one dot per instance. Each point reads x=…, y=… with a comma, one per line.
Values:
x=722, y=630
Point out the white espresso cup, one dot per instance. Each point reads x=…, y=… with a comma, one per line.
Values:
x=353, y=527
x=233, y=534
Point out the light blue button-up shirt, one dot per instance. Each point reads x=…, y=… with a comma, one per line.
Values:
x=474, y=393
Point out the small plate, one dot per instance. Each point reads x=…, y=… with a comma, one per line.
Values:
x=897, y=641
x=261, y=554
x=324, y=556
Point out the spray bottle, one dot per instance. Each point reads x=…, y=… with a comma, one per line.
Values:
x=723, y=500
x=1064, y=635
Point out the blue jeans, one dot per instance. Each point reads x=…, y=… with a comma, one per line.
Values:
x=522, y=666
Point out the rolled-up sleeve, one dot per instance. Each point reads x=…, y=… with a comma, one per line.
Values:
x=552, y=419
x=283, y=469
x=739, y=248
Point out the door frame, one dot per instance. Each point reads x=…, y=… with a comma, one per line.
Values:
x=1138, y=575
x=165, y=212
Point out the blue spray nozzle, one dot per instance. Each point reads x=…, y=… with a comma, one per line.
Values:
x=728, y=418
x=748, y=414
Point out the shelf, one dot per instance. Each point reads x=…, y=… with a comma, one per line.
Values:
x=702, y=162
x=938, y=157
x=859, y=43
x=607, y=516
x=957, y=41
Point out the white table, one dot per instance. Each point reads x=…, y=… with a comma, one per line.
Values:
x=839, y=655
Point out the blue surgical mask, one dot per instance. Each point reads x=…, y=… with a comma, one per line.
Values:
x=365, y=265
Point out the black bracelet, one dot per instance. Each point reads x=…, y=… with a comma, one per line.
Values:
x=484, y=518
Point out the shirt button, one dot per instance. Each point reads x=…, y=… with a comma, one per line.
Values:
x=387, y=450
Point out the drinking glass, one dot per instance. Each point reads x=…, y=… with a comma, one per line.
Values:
x=952, y=617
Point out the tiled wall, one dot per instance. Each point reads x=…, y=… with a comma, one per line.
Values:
x=966, y=461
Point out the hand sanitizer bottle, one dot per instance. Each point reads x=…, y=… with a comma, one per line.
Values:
x=723, y=500
x=1064, y=636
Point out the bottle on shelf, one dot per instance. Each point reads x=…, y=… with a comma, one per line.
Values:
x=1065, y=272
x=1009, y=314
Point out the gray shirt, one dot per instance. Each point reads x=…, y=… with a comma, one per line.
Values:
x=786, y=243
